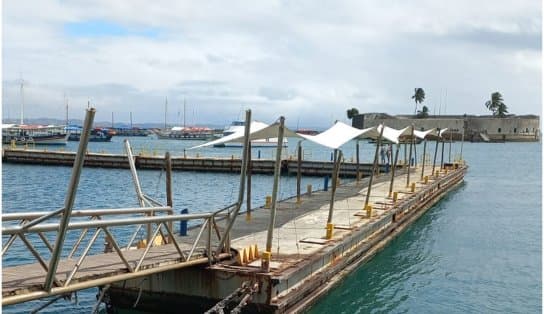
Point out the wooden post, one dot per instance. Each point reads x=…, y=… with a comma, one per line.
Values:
x=169, y=199
x=248, y=195
x=299, y=166
x=442, y=158
x=336, y=168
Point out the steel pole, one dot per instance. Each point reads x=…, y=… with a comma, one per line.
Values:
x=243, y=171
x=135, y=179
x=436, y=151
x=357, y=176
x=169, y=196
x=299, y=166
x=410, y=157
x=423, y=161
x=277, y=169
x=337, y=159
x=393, y=170
x=70, y=198
x=248, y=195
x=374, y=167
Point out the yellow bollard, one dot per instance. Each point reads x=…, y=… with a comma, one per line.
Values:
x=446, y=171
x=368, y=209
x=256, y=250
x=437, y=173
x=330, y=228
x=413, y=187
x=266, y=256
x=268, y=201
x=395, y=197
x=309, y=190
x=426, y=179
x=248, y=216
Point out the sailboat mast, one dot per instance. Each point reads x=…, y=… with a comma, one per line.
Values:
x=184, y=112
x=66, y=103
x=112, y=120
x=165, y=110
x=22, y=103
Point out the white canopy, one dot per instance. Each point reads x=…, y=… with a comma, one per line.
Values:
x=337, y=135
x=257, y=131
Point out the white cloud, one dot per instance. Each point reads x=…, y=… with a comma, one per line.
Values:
x=306, y=61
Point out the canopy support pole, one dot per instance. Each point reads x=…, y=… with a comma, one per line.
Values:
x=336, y=168
x=436, y=151
x=265, y=261
x=248, y=195
x=442, y=158
x=299, y=166
x=393, y=170
x=243, y=171
x=357, y=172
x=410, y=157
x=423, y=161
x=374, y=167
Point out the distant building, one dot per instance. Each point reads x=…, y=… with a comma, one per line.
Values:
x=511, y=128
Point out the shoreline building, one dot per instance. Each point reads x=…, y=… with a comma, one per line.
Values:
x=512, y=128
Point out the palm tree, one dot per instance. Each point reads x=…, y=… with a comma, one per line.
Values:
x=419, y=97
x=423, y=113
x=496, y=105
x=352, y=113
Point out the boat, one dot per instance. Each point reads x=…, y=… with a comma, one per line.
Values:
x=129, y=132
x=97, y=134
x=238, y=126
x=34, y=134
x=186, y=133
x=307, y=131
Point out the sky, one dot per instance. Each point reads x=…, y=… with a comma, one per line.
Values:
x=308, y=61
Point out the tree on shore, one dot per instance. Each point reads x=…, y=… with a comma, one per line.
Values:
x=423, y=113
x=419, y=97
x=496, y=105
x=352, y=113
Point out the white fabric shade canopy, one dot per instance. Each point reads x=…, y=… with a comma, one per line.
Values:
x=334, y=137
x=257, y=131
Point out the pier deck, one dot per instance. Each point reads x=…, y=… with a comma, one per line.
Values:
x=299, y=238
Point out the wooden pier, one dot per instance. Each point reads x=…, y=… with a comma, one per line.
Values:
x=182, y=163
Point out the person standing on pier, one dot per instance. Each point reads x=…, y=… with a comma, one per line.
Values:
x=389, y=150
x=382, y=154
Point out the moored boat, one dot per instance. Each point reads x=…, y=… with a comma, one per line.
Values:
x=186, y=133
x=97, y=134
x=34, y=134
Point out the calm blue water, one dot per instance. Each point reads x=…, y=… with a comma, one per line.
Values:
x=476, y=251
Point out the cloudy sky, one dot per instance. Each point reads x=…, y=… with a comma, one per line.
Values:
x=307, y=60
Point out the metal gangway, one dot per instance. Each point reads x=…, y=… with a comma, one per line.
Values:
x=92, y=246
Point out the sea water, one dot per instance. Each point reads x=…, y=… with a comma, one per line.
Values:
x=478, y=250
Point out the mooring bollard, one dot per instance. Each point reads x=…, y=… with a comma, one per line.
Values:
x=326, y=184
x=368, y=209
x=413, y=187
x=268, y=201
x=395, y=197
x=330, y=229
x=183, y=223
x=309, y=189
x=426, y=179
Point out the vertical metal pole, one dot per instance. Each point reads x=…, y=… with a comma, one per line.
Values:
x=357, y=176
x=423, y=161
x=336, y=169
x=442, y=158
x=374, y=167
x=135, y=179
x=299, y=166
x=137, y=186
x=410, y=157
x=393, y=170
x=449, y=151
x=243, y=171
x=169, y=198
x=70, y=198
x=436, y=151
x=248, y=195
x=272, y=221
